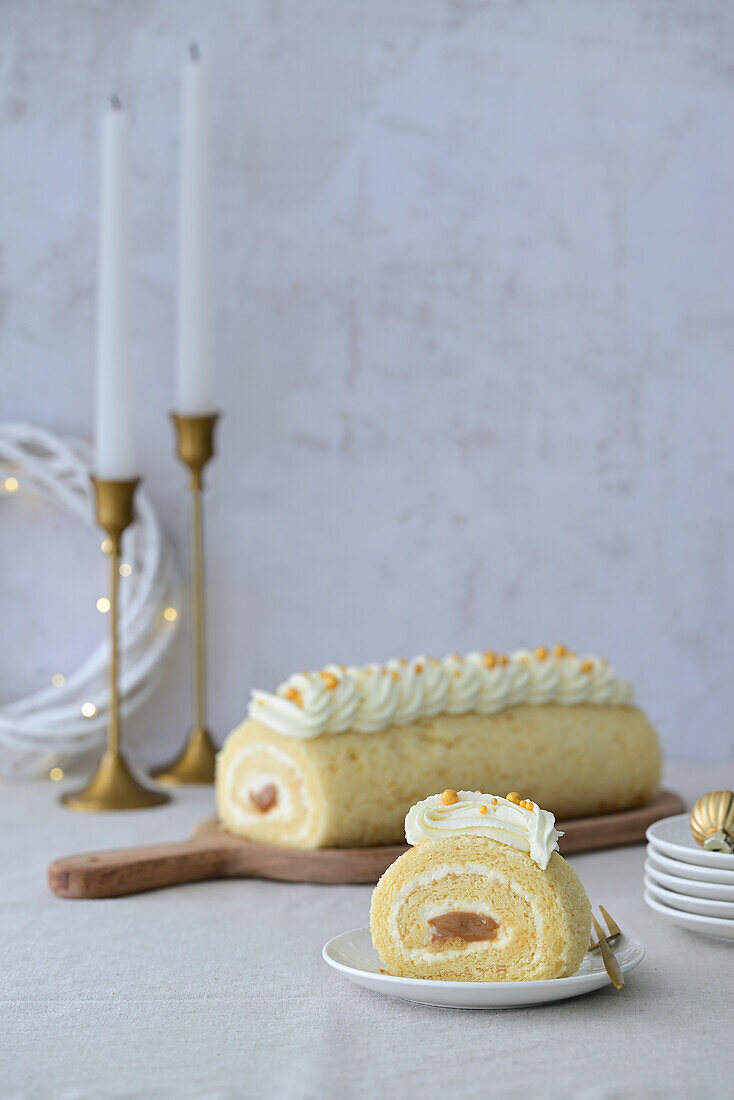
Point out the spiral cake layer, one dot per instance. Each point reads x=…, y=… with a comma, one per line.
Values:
x=524, y=923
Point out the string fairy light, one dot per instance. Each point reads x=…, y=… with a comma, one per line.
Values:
x=69, y=716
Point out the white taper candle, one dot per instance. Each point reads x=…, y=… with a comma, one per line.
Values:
x=193, y=391
x=114, y=455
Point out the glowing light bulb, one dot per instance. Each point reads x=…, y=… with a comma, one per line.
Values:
x=58, y=679
x=170, y=614
x=125, y=569
x=89, y=710
x=56, y=774
x=103, y=604
x=11, y=484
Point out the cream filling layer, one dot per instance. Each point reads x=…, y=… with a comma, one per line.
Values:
x=241, y=781
x=460, y=900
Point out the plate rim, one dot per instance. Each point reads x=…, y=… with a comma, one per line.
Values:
x=694, y=872
x=682, y=914
x=696, y=855
x=435, y=983
x=650, y=884
x=657, y=873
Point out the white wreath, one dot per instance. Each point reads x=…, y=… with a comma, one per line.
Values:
x=49, y=725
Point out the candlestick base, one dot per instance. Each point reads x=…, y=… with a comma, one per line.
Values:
x=195, y=764
x=113, y=787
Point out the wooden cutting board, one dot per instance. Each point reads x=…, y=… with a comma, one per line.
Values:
x=211, y=853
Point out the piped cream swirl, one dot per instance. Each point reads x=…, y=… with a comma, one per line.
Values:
x=368, y=699
x=530, y=830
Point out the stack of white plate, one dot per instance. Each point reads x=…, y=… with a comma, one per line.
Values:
x=688, y=885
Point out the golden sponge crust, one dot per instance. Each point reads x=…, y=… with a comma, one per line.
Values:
x=354, y=789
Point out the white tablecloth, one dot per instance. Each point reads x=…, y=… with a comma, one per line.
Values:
x=218, y=990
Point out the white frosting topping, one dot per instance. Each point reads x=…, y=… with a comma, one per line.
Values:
x=530, y=830
x=368, y=699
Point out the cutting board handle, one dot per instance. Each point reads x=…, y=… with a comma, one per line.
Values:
x=131, y=870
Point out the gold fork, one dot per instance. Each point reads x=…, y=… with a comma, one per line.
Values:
x=614, y=930
x=608, y=957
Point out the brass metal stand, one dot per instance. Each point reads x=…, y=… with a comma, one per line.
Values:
x=113, y=786
x=195, y=448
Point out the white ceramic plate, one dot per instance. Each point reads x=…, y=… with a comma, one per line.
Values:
x=704, y=906
x=688, y=886
x=689, y=870
x=694, y=922
x=672, y=837
x=353, y=955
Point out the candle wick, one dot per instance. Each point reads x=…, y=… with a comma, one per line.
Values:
x=115, y=101
x=194, y=51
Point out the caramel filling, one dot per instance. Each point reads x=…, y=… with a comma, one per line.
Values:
x=462, y=926
x=265, y=798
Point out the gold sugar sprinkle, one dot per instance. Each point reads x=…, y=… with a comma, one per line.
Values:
x=294, y=695
x=419, y=668
x=490, y=660
x=482, y=809
x=494, y=801
x=395, y=674
x=503, y=659
x=329, y=679
x=513, y=796
x=587, y=666
x=559, y=651
x=541, y=653
x=449, y=797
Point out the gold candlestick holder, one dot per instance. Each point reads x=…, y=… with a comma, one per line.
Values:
x=113, y=786
x=195, y=448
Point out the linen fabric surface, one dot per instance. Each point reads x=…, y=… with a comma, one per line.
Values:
x=218, y=990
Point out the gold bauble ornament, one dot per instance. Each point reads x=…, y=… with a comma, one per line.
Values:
x=712, y=821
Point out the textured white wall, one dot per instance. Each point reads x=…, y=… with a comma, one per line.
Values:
x=474, y=328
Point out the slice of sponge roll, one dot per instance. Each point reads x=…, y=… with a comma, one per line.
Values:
x=465, y=905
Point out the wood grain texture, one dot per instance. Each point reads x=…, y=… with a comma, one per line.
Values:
x=212, y=853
